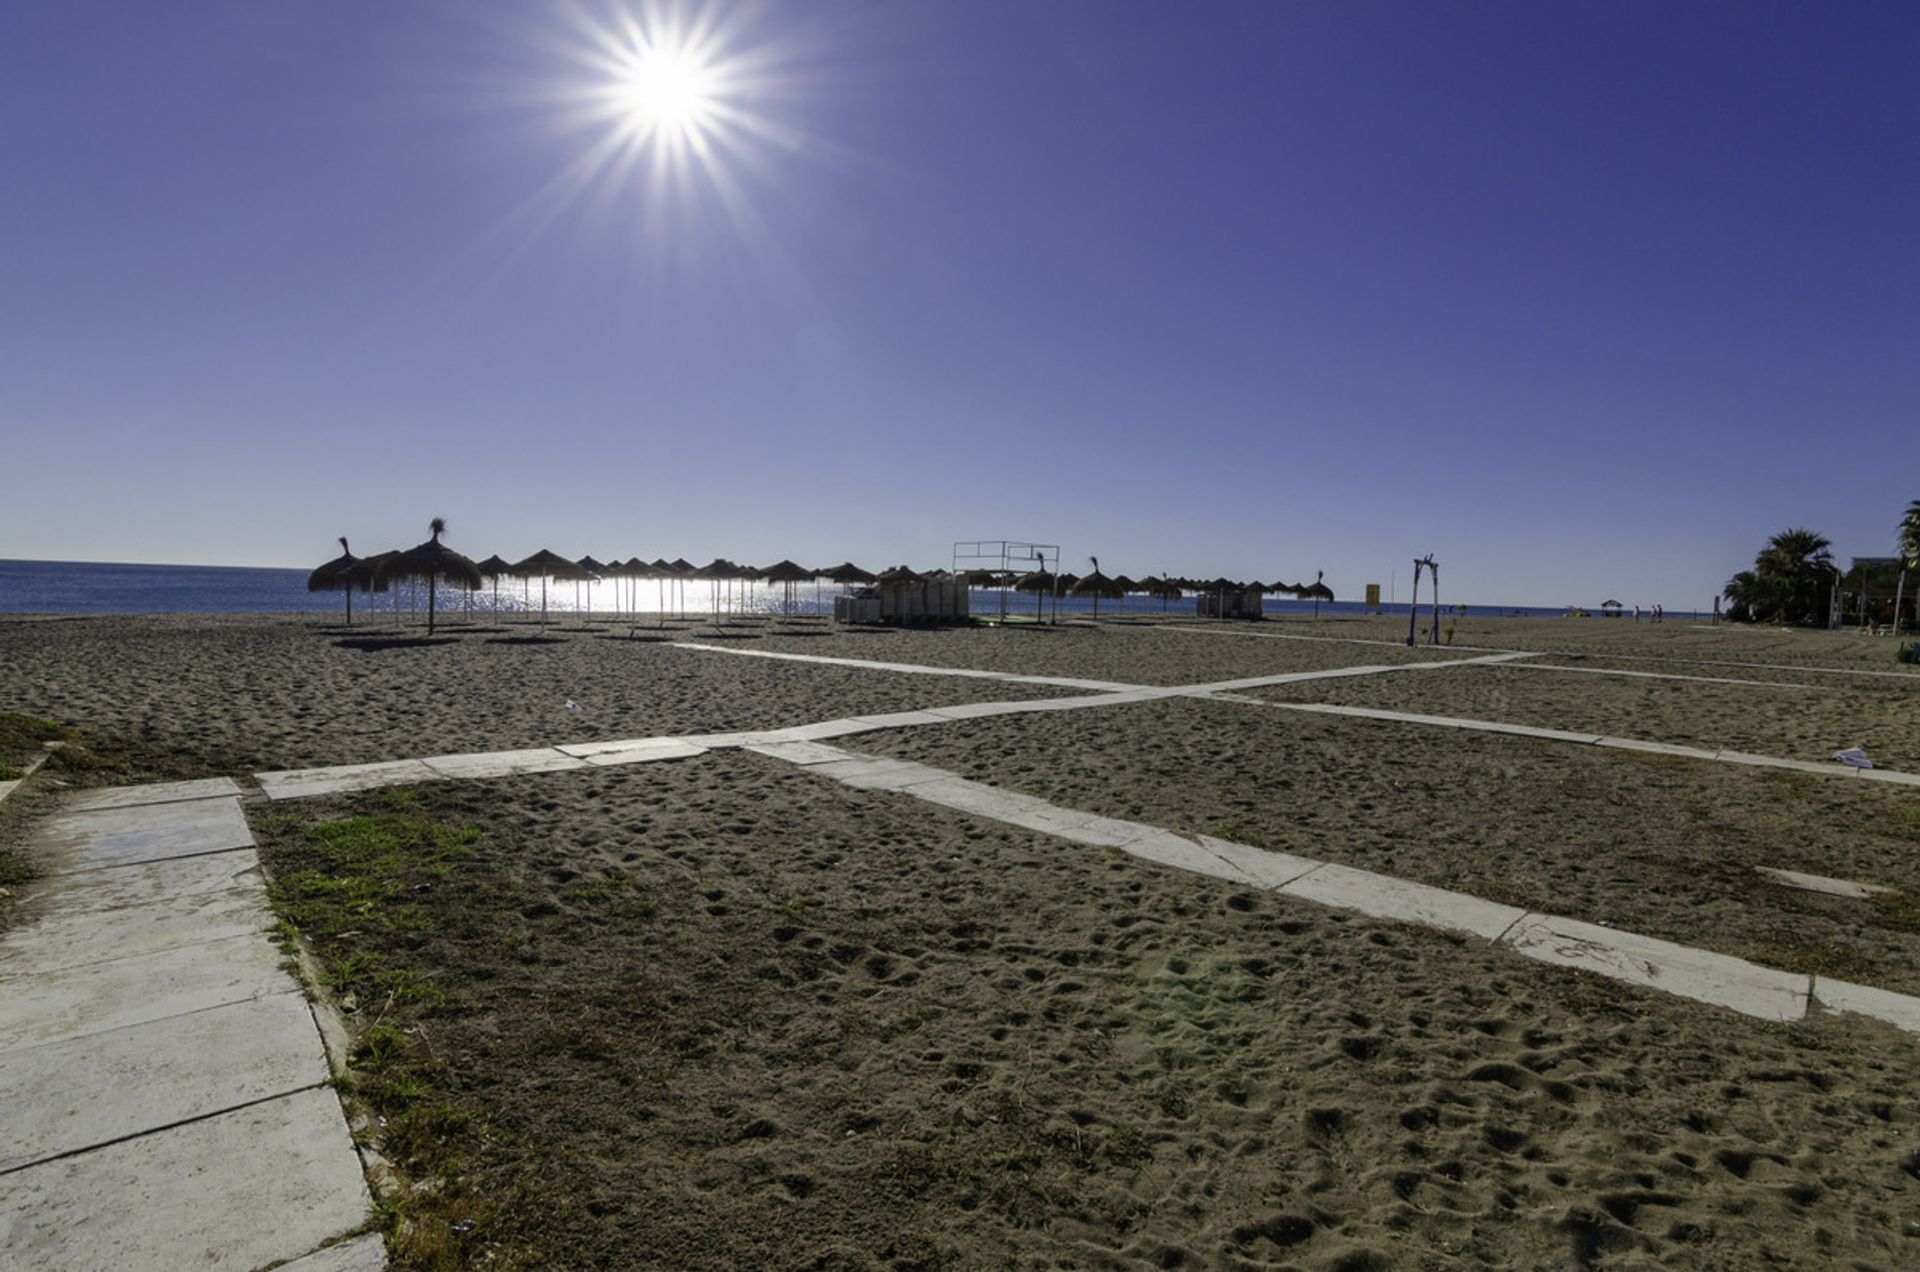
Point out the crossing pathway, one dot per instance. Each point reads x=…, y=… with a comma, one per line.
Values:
x=162, y=1076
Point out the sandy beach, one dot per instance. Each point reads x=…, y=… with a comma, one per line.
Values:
x=721, y=1013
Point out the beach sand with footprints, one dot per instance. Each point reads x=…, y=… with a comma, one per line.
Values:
x=723, y=1012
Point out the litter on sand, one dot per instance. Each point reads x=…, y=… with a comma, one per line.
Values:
x=1854, y=756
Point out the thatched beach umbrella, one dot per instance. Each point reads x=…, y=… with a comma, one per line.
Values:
x=1041, y=584
x=1318, y=590
x=432, y=561
x=1095, y=585
x=336, y=575
x=847, y=573
x=362, y=573
x=714, y=572
x=593, y=571
x=787, y=574
x=544, y=565
x=492, y=568
x=632, y=571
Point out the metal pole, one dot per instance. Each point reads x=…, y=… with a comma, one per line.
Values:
x=1413, y=602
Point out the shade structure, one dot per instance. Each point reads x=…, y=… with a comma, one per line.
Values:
x=1042, y=585
x=544, y=565
x=847, y=572
x=596, y=570
x=435, y=562
x=336, y=575
x=1316, y=591
x=899, y=574
x=715, y=572
x=364, y=572
x=1096, y=585
x=492, y=569
x=786, y=573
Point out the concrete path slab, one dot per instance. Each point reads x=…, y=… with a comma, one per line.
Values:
x=362, y=1254
x=153, y=832
x=341, y=779
x=86, y=891
x=1263, y=867
x=1656, y=675
x=977, y=798
x=724, y=741
x=1385, y=897
x=481, y=764
x=1885, y=775
x=1830, y=768
x=900, y=719
x=1822, y=883
x=873, y=773
x=1657, y=748
x=1899, y=1010
x=1655, y=964
x=154, y=793
x=803, y=753
x=51, y=943
x=256, y=1185
x=914, y=669
x=587, y=750
x=49, y=1006
x=89, y=1091
x=977, y=710
x=645, y=753
x=1163, y=847
x=819, y=731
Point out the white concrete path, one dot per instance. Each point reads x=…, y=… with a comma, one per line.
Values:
x=162, y=1077
x=1650, y=963
x=1831, y=768
x=1561, y=653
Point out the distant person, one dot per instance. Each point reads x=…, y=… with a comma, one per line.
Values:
x=1636, y=613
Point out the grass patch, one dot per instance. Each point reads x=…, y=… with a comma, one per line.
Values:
x=353, y=886
x=1899, y=909
x=1238, y=831
x=22, y=737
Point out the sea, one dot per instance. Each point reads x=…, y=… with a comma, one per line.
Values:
x=95, y=587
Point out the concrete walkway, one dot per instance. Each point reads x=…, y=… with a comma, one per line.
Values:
x=162, y=1077
x=1644, y=961
x=1558, y=653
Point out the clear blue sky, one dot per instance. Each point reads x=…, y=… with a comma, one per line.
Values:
x=1583, y=298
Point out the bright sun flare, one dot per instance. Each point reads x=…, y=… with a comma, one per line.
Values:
x=669, y=91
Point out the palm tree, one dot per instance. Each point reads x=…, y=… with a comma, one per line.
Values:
x=1909, y=539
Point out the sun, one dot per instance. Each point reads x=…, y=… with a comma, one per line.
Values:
x=669, y=92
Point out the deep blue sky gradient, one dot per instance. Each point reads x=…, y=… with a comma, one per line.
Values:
x=1584, y=298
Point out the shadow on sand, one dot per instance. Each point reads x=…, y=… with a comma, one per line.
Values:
x=527, y=640
x=374, y=644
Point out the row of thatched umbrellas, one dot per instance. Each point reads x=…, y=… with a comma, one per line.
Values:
x=434, y=563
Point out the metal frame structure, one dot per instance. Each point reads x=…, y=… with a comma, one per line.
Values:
x=1009, y=556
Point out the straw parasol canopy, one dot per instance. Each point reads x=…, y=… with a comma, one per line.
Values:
x=336, y=576
x=847, y=572
x=492, y=568
x=899, y=574
x=1041, y=584
x=544, y=565
x=1317, y=591
x=1096, y=585
x=433, y=561
x=595, y=571
x=786, y=573
x=365, y=572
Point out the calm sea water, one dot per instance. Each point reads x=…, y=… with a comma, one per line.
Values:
x=85, y=587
